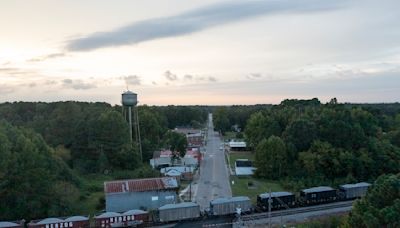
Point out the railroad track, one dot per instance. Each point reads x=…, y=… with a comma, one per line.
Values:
x=265, y=215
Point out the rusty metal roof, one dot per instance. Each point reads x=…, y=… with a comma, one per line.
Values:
x=140, y=185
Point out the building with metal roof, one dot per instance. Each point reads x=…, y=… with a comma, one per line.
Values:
x=144, y=194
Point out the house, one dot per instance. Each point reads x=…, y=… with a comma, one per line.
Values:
x=161, y=159
x=237, y=146
x=195, y=137
x=183, y=172
x=244, y=167
x=143, y=194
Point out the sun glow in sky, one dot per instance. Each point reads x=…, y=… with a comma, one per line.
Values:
x=200, y=52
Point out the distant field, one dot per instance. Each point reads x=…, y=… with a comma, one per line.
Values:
x=240, y=187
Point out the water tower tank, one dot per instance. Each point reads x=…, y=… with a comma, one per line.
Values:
x=129, y=98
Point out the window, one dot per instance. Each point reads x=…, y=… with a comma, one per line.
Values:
x=154, y=198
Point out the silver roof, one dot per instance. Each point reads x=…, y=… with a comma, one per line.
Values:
x=76, y=218
x=134, y=212
x=231, y=199
x=318, y=189
x=8, y=224
x=275, y=194
x=357, y=185
x=50, y=220
x=178, y=205
x=108, y=215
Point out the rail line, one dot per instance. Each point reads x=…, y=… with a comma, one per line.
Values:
x=265, y=215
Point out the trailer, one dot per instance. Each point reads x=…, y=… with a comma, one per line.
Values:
x=317, y=195
x=229, y=206
x=353, y=191
x=279, y=200
x=179, y=211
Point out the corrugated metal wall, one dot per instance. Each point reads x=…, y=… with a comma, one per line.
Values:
x=121, y=202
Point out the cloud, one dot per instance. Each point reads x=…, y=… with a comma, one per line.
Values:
x=6, y=89
x=77, y=84
x=188, y=77
x=170, y=76
x=194, y=21
x=14, y=71
x=46, y=57
x=254, y=76
x=132, y=80
x=212, y=79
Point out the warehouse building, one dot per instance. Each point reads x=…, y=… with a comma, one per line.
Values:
x=143, y=194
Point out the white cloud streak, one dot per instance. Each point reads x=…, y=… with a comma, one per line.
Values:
x=194, y=21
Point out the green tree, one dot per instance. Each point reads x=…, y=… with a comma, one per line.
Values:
x=220, y=119
x=176, y=142
x=271, y=158
x=381, y=206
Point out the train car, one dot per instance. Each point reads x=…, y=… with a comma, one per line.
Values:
x=49, y=223
x=228, y=206
x=133, y=218
x=13, y=224
x=180, y=211
x=317, y=195
x=279, y=200
x=77, y=222
x=353, y=191
x=108, y=219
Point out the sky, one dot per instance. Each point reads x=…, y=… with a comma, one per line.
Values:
x=200, y=52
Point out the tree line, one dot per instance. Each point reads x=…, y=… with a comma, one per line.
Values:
x=46, y=147
x=310, y=143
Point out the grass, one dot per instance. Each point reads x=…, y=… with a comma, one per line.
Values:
x=92, y=191
x=239, y=155
x=229, y=135
x=240, y=187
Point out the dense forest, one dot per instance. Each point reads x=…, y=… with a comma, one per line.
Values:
x=51, y=151
x=308, y=143
x=47, y=147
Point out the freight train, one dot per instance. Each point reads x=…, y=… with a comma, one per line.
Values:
x=191, y=211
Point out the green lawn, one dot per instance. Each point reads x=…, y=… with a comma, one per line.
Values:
x=240, y=187
x=239, y=155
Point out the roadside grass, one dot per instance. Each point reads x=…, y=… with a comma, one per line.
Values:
x=251, y=186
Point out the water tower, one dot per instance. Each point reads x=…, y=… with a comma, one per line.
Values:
x=129, y=100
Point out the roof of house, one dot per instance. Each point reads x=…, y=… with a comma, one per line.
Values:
x=275, y=194
x=140, y=185
x=180, y=169
x=318, y=189
x=237, y=144
x=178, y=205
x=245, y=171
x=357, y=185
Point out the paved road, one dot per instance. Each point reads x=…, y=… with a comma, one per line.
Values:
x=214, y=178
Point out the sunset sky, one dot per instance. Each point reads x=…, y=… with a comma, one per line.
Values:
x=200, y=51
